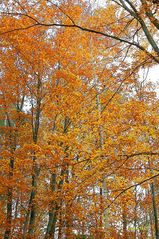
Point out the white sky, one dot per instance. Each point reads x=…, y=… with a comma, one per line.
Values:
x=154, y=74
x=151, y=74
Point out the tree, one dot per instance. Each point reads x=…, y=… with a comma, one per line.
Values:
x=80, y=147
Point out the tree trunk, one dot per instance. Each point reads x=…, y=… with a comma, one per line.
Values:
x=135, y=214
x=32, y=205
x=124, y=224
x=60, y=223
x=10, y=188
x=9, y=202
x=32, y=208
x=50, y=231
x=155, y=211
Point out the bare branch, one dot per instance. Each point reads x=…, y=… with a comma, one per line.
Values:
x=128, y=188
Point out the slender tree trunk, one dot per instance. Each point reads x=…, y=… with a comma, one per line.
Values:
x=68, y=214
x=32, y=208
x=25, y=225
x=32, y=205
x=124, y=225
x=155, y=214
x=60, y=222
x=50, y=231
x=101, y=214
x=135, y=214
x=154, y=211
x=9, y=202
x=54, y=207
x=29, y=224
x=103, y=190
x=10, y=176
x=151, y=225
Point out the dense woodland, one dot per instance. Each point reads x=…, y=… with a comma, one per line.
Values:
x=79, y=119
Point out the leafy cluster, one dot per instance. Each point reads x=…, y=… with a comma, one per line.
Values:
x=78, y=124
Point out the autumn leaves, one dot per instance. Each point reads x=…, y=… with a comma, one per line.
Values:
x=79, y=141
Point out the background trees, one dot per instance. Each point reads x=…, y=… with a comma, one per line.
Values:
x=79, y=128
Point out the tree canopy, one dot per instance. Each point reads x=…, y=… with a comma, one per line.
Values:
x=79, y=119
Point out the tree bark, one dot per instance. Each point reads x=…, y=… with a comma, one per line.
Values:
x=10, y=176
x=32, y=208
x=50, y=231
x=155, y=211
x=9, y=202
